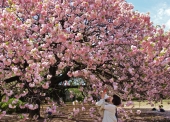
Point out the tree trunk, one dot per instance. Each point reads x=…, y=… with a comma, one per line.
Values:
x=36, y=112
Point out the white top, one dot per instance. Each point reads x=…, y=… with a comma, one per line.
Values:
x=109, y=111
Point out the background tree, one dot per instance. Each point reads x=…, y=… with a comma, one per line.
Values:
x=44, y=43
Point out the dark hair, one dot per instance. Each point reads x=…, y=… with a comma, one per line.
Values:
x=116, y=100
x=106, y=100
x=153, y=109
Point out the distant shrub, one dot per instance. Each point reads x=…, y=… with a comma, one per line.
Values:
x=12, y=105
x=80, y=98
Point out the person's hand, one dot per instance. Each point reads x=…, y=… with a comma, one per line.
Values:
x=105, y=90
x=102, y=95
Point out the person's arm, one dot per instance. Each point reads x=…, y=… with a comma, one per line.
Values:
x=101, y=101
x=108, y=107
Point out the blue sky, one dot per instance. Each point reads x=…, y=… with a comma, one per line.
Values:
x=159, y=10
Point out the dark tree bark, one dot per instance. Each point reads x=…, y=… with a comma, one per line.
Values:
x=58, y=91
x=35, y=112
x=11, y=79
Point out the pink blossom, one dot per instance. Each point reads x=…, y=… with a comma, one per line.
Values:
x=46, y=85
x=9, y=93
x=75, y=74
x=76, y=111
x=129, y=103
x=98, y=2
x=91, y=115
x=83, y=108
x=15, y=101
x=17, y=96
x=131, y=70
x=32, y=107
x=22, y=106
x=104, y=42
x=85, y=100
x=111, y=80
x=42, y=94
x=11, y=106
x=90, y=99
x=1, y=57
x=32, y=84
x=138, y=111
x=24, y=93
x=92, y=77
x=133, y=47
x=115, y=87
x=7, y=62
x=85, y=72
x=69, y=74
x=3, y=113
x=15, y=69
x=71, y=95
x=49, y=77
x=78, y=36
x=81, y=88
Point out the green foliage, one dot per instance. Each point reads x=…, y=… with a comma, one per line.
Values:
x=77, y=93
x=14, y=102
x=80, y=98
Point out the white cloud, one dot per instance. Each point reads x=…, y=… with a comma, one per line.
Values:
x=168, y=24
x=160, y=15
x=167, y=12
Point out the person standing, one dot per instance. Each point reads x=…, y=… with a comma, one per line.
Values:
x=108, y=107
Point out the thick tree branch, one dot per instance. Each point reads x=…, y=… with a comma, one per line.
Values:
x=55, y=80
x=11, y=79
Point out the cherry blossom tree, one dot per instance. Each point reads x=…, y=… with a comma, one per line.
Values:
x=44, y=43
